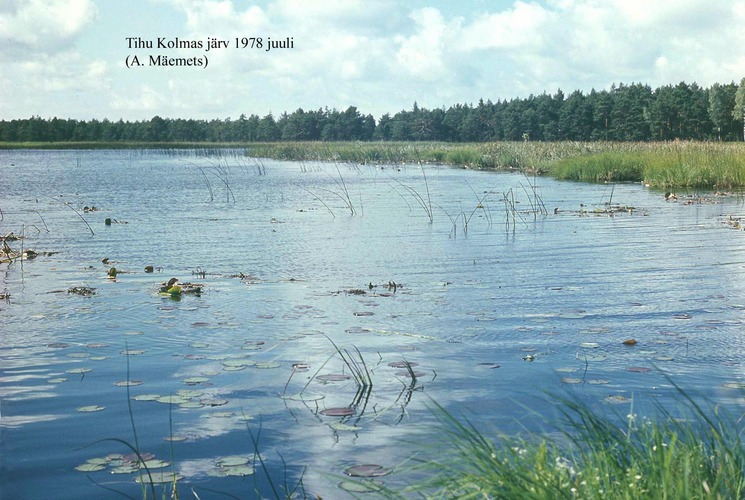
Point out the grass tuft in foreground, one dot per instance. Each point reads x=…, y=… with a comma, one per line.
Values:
x=595, y=457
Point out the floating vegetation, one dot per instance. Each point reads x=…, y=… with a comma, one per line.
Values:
x=338, y=412
x=366, y=470
x=90, y=409
x=195, y=380
x=83, y=291
x=159, y=477
x=174, y=288
x=132, y=352
x=79, y=370
x=128, y=383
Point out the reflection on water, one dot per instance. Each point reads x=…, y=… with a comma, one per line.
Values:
x=316, y=274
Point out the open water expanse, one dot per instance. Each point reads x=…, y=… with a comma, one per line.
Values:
x=312, y=273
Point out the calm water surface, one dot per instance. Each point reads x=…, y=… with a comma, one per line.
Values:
x=498, y=313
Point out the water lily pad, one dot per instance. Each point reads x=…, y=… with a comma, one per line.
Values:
x=199, y=345
x=221, y=414
x=174, y=400
x=159, y=477
x=364, y=313
x=638, y=369
x=155, y=464
x=98, y=358
x=267, y=365
x=134, y=333
x=734, y=385
x=571, y=380
x=57, y=380
x=366, y=470
x=617, y=399
x=589, y=345
x=58, y=345
x=238, y=363
x=134, y=458
x=239, y=470
x=188, y=393
x=664, y=358
x=128, y=383
x=682, y=316
x=191, y=405
x=402, y=364
x=214, y=402
x=90, y=467
x=176, y=439
x=91, y=408
x=78, y=370
x=338, y=412
x=78, y=355
x=146, y=397
x=132, y=352
x=233, y=461
x=96, y=345
x=598, y=381
x=124, y=469
x=195, y=380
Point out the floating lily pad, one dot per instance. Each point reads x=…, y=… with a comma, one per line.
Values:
x=174, y=400
x=238, y=363
x=57, y=380
x=638, y=369
x=98, y=358
x=191, y=405
x=146, y=397
x=233, y=461
x=91, y=408
x=96, y=345
x=159, y=477
x=214, y=402
x=128, y=383
x=134, y=458
x=267, y=365
x=134, y=333
x=734, y=385
x=155, y=464
x=571, y=380
x=199, y=345
x=187, y=393
x=364, y=313
x=589, y=345
x=338, y=412
x=79, y=355
x=132, y=352
x=598, y=381
x=664, y=358
x=682, y=316
x=402, y=364
x=90, y=467
x=125, y=469
x=78, y=370
x=366, y=470
x=58, y=345
x=617, y=399
x=195, y=380
x=239, y=470
x=176, y=439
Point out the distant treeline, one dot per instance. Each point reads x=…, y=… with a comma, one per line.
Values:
x=633, y=112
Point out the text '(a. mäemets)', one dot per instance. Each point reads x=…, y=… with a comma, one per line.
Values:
x=210, y=44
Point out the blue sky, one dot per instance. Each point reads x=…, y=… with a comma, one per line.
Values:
x=66, y=58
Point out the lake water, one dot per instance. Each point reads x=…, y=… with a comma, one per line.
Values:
x=298, y=263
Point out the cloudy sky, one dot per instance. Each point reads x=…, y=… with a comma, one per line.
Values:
x=67, y=58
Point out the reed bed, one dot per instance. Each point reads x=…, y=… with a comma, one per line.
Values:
x=663, y=165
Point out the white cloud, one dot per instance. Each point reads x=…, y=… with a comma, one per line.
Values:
x=45, y=24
